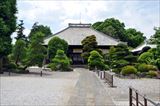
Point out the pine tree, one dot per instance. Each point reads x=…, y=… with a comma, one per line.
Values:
x=20, y=30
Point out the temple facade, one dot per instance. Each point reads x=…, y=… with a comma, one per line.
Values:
x=75, y=33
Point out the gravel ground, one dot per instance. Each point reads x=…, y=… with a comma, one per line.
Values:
x=146, y=86
x=54, y=88
x=80, y=87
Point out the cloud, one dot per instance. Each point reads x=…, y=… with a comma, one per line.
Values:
x=142, y=15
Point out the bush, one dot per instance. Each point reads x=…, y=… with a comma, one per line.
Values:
x=116, y=70
x=95, y=60
x=146, y=68
x=158, y=63
x=106, y=67
x=60, y=62
x=52, y=66
x=11, y=66
x=127, y=70
x=152, y=74
x=152, y=67
x=146, y=57
x=121, y=63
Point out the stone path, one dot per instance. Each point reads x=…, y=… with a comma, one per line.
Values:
x=89, y=91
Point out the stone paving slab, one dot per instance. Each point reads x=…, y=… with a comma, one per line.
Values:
x=89, y=91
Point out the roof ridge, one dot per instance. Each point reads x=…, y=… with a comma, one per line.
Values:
x=56, y=33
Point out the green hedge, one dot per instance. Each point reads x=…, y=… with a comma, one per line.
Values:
x=146, y=68
x=152, y=74
x=127, y=70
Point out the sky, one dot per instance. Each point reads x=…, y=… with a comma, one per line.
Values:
x=142, y=15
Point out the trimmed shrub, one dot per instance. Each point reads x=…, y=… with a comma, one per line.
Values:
x=11, y=66
x=121, y=63
x=60, y=62
x=95, y=60
x=152, y=67
x=145, y=67
x=127, y=70
x=152, y=74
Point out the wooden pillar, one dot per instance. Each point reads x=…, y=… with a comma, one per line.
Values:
x=145, y=101
x=130, y=96
x=137, y=99
x=41, y=74
x=111, y=80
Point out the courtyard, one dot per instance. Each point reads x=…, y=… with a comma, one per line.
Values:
x=80, y=87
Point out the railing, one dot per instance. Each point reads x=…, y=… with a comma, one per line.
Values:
x=106, y=76
x=135, y=101
x=109, y=78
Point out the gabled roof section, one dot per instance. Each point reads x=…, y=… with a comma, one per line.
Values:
x=140, y=47
x=75, y=33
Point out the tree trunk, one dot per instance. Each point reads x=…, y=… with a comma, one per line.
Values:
x=17, y=59
x=1, y=65
x=25, y=67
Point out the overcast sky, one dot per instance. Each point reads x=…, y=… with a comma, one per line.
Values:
x=143, y=15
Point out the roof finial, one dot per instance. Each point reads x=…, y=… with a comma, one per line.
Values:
x=80, y=18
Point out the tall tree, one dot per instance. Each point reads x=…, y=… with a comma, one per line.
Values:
x=134, y=37
x=20, y=29
x=120, y=56
x=56, y=44
x=111, y=26
x=89, y=43
x=40, y=28
x=155, y=37
x=116, y=29
x=19, y=51
x=7, y=27
x=36, y=51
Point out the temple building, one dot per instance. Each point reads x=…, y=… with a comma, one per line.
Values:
x=75, y=33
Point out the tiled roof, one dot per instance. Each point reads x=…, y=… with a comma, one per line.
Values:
x=75, y=33
x=140, y=47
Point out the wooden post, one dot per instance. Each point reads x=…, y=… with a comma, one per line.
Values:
x=41, y=73
x=145, y=101
x=111, y=80
x=101, y=74
x=130, y=96
x=137, y=99
x=9, y=73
